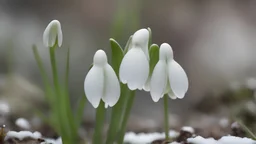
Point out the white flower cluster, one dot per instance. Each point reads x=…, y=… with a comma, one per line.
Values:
x=102, y=83
x=168, y=76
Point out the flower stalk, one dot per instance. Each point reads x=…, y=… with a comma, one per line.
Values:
x=166, y=117
x=126, y=115
x=99, y=125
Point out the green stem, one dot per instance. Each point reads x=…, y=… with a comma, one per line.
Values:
x=116, y=116
x=100, y=118
x=62, y=117
x=166, y=117
x=128, y=108
x=54, y=71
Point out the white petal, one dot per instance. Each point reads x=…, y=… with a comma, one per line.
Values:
x=112, y=87
x=134, y=69
x=165, y=52
x=172, y=95
x=158, y=80
x=94, y=85
x=177, y=78
x=53, y=31
x=46, y=36
x=106, y=105
x=140, y=39
x=146, y=86
x=60, y=36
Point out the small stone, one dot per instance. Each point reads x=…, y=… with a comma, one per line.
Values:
x=236, y=130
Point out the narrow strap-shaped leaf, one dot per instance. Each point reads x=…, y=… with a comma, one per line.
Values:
x=117, y=55
x=43, y=73
x=126, y=115
x=71, y=120
x=49, y=94
x=80, y=110
x=247, y=130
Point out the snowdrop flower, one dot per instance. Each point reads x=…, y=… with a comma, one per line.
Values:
x=52, y=33
x=134, y=68
x=168, y=76
x=101, y=82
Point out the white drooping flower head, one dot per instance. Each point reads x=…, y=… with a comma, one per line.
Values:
x=134, y=68
x=52, y=33
x=168, y=76
x=101, y=82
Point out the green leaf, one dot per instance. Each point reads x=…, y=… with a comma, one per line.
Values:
x=117, y=55
x=80, y=110
x=128, y=44
x=46, y=82
x=66, y=101
x=150, y=38
x=154, y=57
x=248, y=132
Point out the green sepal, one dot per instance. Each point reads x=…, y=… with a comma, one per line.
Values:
x=128, y=44
x=154, y=57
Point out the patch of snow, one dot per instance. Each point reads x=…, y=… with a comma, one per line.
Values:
x=188, y=129
x=235, y=140
x=22, y=134
x=53, y=141
x=201, y=140
x=22, y=123
x=224, y=122
x=174, y=143
x=4, y=107
x=146, y=138
x=223, y=140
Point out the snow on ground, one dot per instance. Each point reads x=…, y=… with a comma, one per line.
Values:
x=146, y=138
x=22, y=134
x=223, y=140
